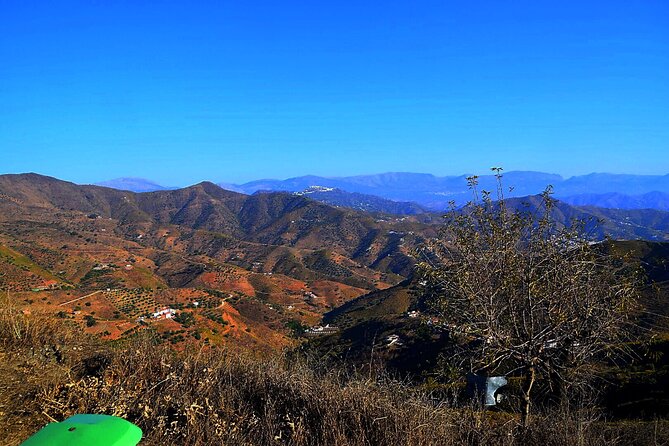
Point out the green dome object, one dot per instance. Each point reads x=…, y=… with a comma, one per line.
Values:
x=87, y=430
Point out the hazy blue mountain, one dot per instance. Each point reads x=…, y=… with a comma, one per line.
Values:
x=425, y=189
x=436, y=192
x=290, y=185
x=133, y=184
x=614, y=200
x=602, y=183
x=231, y=187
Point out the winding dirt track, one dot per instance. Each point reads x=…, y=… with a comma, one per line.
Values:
x=79, y=298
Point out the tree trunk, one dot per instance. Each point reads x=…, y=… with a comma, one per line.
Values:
x=527, y=389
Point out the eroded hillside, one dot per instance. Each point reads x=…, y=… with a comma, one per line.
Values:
x=197, y=265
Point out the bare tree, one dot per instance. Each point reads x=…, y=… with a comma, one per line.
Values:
x=526, y=295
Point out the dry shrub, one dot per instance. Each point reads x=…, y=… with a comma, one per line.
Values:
x=222, y=397
x=230, y=398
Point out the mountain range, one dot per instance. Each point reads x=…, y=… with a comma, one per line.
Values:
x=650, y=200
x=235, y=269
x=361, y=202
x=434, y=193
x=238, y=270
x=256, y=263
x=133, y=184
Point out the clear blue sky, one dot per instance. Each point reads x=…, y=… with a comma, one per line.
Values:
x=233, y=91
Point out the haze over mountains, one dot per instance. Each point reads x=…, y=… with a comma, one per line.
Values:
x=650, y=200
x=349, y=220
x=619, y=191
x=133, y=184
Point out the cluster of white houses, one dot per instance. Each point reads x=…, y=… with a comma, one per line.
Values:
x=166, y=313
x=320, y=330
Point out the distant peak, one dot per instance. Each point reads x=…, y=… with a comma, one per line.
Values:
x=207, y=184
x=132, y=184
x=212, y=189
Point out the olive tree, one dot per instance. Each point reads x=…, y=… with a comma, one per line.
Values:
x=525, y=294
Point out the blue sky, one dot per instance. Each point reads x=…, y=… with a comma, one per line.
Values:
x=233, y=91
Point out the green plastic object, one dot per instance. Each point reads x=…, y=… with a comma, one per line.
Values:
x=87, y=430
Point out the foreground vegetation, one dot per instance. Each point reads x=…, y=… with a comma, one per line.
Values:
x=49, y=371
x=520, y=293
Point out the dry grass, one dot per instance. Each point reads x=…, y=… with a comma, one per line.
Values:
x=49, y=371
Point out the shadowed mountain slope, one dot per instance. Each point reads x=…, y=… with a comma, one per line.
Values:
x=269, y=219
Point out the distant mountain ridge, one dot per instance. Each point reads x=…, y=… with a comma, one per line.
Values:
x=133, y=184
x=363, y=202
x=436, y=192
x=281, y=218
x=418, y=192
x=651, y=200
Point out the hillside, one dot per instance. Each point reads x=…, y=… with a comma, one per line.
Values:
x=619, y=224
x=396, y=328
x=221, y=396
x=234, y=266
x=361, y=202
x=281, y=219
x=245, y=267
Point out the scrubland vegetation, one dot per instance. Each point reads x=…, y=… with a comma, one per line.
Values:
x=51, y=371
